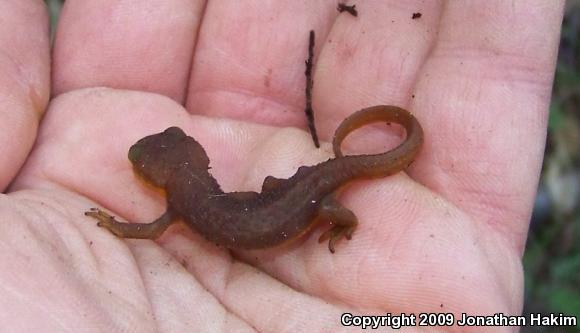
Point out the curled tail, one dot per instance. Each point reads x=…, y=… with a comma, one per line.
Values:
x=390, y=162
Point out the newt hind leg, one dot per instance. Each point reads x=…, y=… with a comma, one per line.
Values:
x=343, y=219
x=132, y=230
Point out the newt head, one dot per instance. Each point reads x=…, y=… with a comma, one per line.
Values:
x=156, y=157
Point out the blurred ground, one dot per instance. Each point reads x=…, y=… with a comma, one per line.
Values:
x=552, y=258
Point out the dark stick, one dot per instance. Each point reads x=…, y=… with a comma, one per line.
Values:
x=309, y=83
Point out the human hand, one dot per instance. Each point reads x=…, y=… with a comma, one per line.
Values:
x=446, y=238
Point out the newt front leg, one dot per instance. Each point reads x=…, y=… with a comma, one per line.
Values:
x=132, y=230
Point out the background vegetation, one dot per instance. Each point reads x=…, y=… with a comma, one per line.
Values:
x=552, y=258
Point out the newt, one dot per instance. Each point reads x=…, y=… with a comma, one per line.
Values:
x=283, y=211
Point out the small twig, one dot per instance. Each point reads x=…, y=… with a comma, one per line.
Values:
x=309, y=84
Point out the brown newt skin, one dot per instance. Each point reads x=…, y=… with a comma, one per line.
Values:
x=283, y=211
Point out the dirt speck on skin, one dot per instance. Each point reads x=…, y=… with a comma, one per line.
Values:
x=349, y=9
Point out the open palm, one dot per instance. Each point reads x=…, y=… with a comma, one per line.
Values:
x=446, y=237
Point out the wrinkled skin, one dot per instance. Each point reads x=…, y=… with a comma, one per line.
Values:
x=447, y=236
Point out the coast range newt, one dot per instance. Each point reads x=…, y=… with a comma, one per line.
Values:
x=284, y=210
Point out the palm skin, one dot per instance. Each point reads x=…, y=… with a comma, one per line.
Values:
x=447, y=236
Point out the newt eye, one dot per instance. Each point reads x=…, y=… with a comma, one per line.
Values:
x=174, y=131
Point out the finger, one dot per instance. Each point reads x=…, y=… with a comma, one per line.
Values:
x=24, y=80
x=140, y=45
x=483, y=98
x=373, y=59
x=249, y=61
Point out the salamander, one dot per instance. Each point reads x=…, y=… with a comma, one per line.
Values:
x=284, y=210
